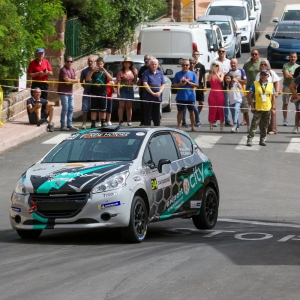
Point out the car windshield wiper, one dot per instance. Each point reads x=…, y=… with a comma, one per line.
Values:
x=87, y=160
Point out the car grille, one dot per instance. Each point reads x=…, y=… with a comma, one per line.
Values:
x=58, y=206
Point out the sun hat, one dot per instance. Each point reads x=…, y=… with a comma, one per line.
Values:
x=264, y=72
x=127, y=59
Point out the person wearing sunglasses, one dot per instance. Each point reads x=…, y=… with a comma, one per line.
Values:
x=224, y=68
x=186, y=81
x=145, y=67
x=263, y=107
x=265, y=65
x=196, y=112
x=67, y=78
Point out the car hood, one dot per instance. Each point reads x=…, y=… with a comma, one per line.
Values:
x=287, y=43
x=49, y=178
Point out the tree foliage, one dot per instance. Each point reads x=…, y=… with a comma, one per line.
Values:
x=112, y=21
x=24, y=24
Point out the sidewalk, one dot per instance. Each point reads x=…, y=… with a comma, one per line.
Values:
x=16, y=132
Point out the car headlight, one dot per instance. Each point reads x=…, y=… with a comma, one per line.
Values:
x=274, y=44
x=245, y=28
x=115, y=182
x=20, y=187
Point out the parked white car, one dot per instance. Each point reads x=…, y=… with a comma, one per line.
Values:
x=240, y=11
x=291, y=12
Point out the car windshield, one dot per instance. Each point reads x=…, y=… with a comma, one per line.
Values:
x=287, y=32
x=97, y=146
x=115, y=66
x=224, y=26
x=236, y=12
x=250, y=3
x=291, y=15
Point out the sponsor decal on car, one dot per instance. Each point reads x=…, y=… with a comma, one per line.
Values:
x=140, y=133
x=15, y=208
x=96, y=135
x=111, y=204
x=163, y=181
x=75, y=165
x=196, y=203
x=109, y=195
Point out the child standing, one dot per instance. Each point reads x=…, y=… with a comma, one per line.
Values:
x=110, y=92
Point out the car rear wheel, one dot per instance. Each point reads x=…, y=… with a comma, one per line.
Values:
x=238, y=54
x=247, y=47
x=253, y=40
x=208, y=216
x=29, y=234
x=168, y=108
x=137, y=228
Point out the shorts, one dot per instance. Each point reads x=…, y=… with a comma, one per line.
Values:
x=86, y=103
x=109, y=106
x=182, y=104
x=126, y=93
x=245, y=105
x=200, y=95
x=297, y=104
x=286, y=97
x=33, y=117
x=98, y=103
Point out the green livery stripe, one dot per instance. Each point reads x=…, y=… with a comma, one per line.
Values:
x=48, y=185
x=202, y=170
x=35, y=216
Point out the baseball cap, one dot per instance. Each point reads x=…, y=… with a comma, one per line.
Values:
x=40, y=50
x=264, y=72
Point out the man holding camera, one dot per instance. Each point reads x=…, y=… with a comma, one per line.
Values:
x=38, y=71
x=186, y=81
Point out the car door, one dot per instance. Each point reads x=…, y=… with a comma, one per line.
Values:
x=159, y=185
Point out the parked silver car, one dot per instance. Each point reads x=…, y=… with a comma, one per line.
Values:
x=230, y=31
x=113, y=63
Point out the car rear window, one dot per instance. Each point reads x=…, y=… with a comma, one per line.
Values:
x=287, y=32
x=236, y=12
x=97, y=146
x=291, y=15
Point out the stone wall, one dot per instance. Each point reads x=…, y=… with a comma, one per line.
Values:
x=188, y=12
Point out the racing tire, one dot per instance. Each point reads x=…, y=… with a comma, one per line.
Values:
x=208, y=216
x=168, y=108
x=137, y=228
x=29, y=234
x=238, y=54
x=253, y=40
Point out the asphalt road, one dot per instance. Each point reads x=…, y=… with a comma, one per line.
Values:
x=252, y=253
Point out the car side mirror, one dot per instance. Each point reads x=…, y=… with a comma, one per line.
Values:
x=169, y=72
x=238, y=32
x=268, y=36
x=256, y=8
x=251, y=18
x=151, y=165
x=162, y=162
x=275, y=20
x=225, y=38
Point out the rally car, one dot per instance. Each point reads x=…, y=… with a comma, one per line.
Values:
x=117, y=177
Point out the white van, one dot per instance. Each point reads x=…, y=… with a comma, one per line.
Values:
x=171, y=42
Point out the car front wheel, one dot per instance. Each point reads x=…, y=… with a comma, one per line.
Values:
x=29, y=234
x=137, y=228
x=208, y=216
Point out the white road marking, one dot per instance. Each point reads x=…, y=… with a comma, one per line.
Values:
x=241, y=236
x=294, y=146
x=242, y=144
x=286, y=238
x=207, y=141
x=259, y=223
x=57, y=139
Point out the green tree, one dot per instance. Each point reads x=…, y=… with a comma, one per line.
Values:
x=24, y=24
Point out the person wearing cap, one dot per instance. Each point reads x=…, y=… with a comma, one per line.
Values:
x=66, y=78
x=99, y=77
x=154, y=83
x=145, y=67
x=126, y=78
x=38, y=70
x=265, y=104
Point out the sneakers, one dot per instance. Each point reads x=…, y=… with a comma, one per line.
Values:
x=83, y=126
x=262, y=142
x=72, y=128
x=64, y=128
x=142, y=124
x=109, y=123
x=285, y=123
x=233, y=129
x=228, y=124
x=93, y=125
x=184, y=124
x=129, y=123
x=41, y=121
x=121, y=124
x=50, y=127
x=295, y=130
x=215, y=124
x=198, y=124
x=249, y=143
